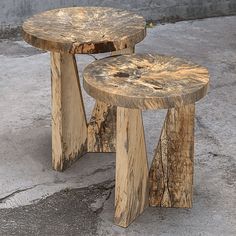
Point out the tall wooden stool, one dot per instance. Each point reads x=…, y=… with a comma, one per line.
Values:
x=81, y=30
x=141, y=82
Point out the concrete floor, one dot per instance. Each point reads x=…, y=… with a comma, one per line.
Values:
x=35, y=200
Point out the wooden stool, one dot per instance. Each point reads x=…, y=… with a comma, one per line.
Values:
x=134, y=83
x=80, y=30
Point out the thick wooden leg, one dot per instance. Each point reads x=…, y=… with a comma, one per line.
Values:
x=102, y=126
x=69, y=128
x=171, y=173
x=131, y=192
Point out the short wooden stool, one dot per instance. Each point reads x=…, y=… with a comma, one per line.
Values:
x=80, y=30
x=141, y=82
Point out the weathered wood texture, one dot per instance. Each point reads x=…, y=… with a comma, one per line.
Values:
x=171, y=173
x=84, y=30
x=131, y=192
x=146, y=81
x=125, y=51
x=69, y=128
x=102, y=128
x=102, y=125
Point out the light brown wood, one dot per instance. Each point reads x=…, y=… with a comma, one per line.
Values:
x=131, y=192
x=171, y=173
x=69, y=128
x=146, y=81
x=102, y=125
x=84, y=30
x=125, y=51
x=102, y=128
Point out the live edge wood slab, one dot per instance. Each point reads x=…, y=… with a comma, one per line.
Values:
x=141, y=82
x=80, y=30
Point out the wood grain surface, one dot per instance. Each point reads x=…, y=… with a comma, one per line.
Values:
x=69, y=128
x=146, y=81
x=131, y=192
x=84, y=30
x=102, y=128
x=171, y=173
x=102, y=125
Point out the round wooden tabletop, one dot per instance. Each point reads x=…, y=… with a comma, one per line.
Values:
x=84, y=30
x=146, y=81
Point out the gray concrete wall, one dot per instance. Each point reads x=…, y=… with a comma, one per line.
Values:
x=13, y=12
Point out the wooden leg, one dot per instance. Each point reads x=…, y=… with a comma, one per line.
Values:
x=131, y=192
x=69, y=128
x=102, y=126
x=171, y=173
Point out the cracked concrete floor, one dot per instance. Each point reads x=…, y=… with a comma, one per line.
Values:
x=35, y=200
